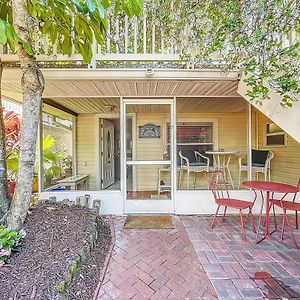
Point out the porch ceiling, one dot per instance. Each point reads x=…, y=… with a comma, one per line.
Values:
x=91, y=91
x=139, y=88
x=187, y=105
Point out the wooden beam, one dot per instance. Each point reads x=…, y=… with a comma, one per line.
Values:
x=59, y=106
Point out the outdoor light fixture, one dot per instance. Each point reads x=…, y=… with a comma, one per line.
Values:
x=149, y=72
x=110, y=107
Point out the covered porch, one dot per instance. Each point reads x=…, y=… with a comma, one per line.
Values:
x=128, y=127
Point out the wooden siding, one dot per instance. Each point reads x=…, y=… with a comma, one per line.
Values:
x=87, y=147
x=285, y=166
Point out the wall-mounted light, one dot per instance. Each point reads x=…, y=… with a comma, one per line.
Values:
x=110, y=108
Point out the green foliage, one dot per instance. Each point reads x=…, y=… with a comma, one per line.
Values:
x=53, y=160
x=9, y=242
x=242, y=35
x=8, y=35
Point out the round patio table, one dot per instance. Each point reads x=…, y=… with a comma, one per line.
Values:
x=221, y=159
x=268, y=187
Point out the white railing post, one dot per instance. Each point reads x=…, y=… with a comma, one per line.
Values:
x=117, y=21
x=135, y=34
x=145, y=31
x=153, y=39
x=108, y=36
x=126, y=34
x=93, y=63
x=172, y=38
x=162, y=42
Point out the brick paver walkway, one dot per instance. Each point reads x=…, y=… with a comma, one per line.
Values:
x=154, y=264
x=239, y=270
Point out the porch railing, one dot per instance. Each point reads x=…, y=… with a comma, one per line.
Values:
x=137, y=40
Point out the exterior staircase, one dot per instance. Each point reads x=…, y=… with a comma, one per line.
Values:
x=287, y=118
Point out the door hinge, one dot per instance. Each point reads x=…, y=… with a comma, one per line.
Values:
x=101, y=153
x=101, y=180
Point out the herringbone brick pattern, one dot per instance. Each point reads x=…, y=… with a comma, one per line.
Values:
x=245, y=270
x=154, y=264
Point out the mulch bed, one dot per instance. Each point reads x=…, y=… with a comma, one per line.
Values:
x=54, y=235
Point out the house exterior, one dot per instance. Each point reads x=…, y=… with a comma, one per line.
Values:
x=133, y=110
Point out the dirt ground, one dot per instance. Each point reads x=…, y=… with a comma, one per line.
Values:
x=54, y=235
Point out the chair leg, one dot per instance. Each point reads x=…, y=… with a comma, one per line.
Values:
x=188, y=180
x=195, y=179
x=224, y=214
x=296, y=219
x=275, y=222
x=292, y=235
x=215, y=217
x=283, y=224
x=239, y=179
x=243, y=226
x=252, y=220
x=259, y=219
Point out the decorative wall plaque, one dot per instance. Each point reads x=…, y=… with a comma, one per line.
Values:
x=149, y=131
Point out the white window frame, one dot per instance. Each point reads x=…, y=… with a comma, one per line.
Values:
x=215, y=125
x=266, y=135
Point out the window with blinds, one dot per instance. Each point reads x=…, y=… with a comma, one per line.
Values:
x=196, y=136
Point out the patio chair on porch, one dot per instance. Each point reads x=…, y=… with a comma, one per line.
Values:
x=286, y=205
x=261, y=163
x=192, y=161
x=217, y=184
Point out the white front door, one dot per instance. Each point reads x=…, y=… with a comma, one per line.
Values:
x=108, y=154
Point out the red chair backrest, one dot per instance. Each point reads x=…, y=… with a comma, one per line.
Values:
x=217, y=184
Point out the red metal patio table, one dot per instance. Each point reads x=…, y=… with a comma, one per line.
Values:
x=268, y=187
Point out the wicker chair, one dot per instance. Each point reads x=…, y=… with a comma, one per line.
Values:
x=261, y=163
x=192, y=161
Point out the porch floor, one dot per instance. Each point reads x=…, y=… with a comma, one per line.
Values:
x=193, y=261
x=146, y=195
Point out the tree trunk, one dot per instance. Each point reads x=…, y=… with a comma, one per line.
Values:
x=4, y=197
x=32, y=87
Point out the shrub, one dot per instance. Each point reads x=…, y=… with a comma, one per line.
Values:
x=9, y=242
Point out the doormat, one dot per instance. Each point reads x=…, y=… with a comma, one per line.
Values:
x=148, y=222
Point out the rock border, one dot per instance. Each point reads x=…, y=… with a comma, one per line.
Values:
x=107, y=258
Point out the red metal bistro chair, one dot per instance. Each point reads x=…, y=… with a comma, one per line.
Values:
x=217, y=184
x=286, y=205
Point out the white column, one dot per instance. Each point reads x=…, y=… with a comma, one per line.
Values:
x=173, y=151
x=74, y=146
x=123, y=156
x=40, y=154
x=249, y=154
